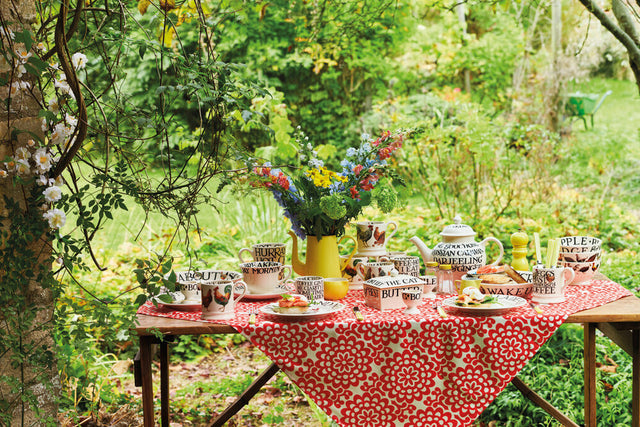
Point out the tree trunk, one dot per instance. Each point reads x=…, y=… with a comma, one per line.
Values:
x=26, y=322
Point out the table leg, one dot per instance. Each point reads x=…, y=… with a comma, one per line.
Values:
x=146, y=380
x=590, y=375
x=635, y=403
x=245, y=396
x=164, y=383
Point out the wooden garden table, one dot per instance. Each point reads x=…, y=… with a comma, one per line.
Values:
x=619, y=320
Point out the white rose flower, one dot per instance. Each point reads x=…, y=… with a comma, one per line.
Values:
x=42, y=180
x=22, y=153
x=52, y=194
x=3, y=173
x=22, y=167
x=42, y=159
x=79, y=60
x=55, y=217
x=22, y=54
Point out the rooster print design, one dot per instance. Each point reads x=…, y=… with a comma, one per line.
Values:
x=371, y=236
x=221, y=298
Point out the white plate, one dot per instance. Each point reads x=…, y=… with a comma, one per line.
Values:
x=262, y=296
x=316, y=311
x=178, y=303
x=505, y=304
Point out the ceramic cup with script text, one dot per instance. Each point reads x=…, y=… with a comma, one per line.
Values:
x=411, y=298
x=407, y=264
x=191, y=291
x=275, y=252
x=262, y=277
x=185, y=278
x=219, y=298
x=430, y=283
x=312, y=287
x=549, y=284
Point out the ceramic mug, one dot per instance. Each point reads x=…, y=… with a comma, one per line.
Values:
x=348, y=266
x=407, y=264
x=262, y=277
x=373, y=236
x=311, y=287
x=467, y=283
x=368, y=270
x=191, y=291
x=411, y=298
x=430, y=283
x=549, y=283
x=218, y=300
x=275, y=252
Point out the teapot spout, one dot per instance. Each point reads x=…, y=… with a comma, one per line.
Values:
x=425, y=252
x=298, y=266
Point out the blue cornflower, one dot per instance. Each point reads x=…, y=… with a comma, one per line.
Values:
x=351, y=152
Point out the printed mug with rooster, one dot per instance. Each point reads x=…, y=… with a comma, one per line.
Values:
x=373, y=237
x=219, y=298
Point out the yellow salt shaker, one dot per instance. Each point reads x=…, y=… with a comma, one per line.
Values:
x=467, y=283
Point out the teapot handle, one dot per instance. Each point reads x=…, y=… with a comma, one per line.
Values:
x=493, y=239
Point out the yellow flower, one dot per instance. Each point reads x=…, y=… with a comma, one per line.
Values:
x=323, y=177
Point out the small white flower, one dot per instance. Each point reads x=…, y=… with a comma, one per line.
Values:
x=55, y=217
x=42, y=159
x=31, y=143
x=7, y=33
x=42, y=180
x=44, y=125
x=22, y=167
x=60, y=133
x=52, y=194
x=59, y=181
x=20, y=71
x=79, y=60
x=23, y=54
x=3, y=173
x=40, y=46
x=59, y=260
x=53, y=105
x=22, y=153
x=71, y=120
x=309, y=146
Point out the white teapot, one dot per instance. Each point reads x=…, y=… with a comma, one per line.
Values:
x=458, y=248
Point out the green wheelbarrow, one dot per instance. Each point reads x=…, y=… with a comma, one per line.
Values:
x=582, y=105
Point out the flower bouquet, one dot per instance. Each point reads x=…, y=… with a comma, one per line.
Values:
x=320, y=202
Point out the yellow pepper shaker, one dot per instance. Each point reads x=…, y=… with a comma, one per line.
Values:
x=519, y=241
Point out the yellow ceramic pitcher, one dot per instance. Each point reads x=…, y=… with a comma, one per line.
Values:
x=323, y=256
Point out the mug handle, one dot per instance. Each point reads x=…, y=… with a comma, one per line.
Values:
x=353, y=251
x=493, y=239
x=573, y=275
x=395, y=228
x=240, y=254
x=288, y=285
x=288, y=275
x=244, y=288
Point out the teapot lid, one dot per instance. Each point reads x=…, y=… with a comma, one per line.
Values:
x=457, y=229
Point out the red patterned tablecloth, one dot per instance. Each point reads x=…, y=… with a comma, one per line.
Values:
x=394, y=369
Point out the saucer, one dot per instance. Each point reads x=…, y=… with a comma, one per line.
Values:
x=262, y=296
